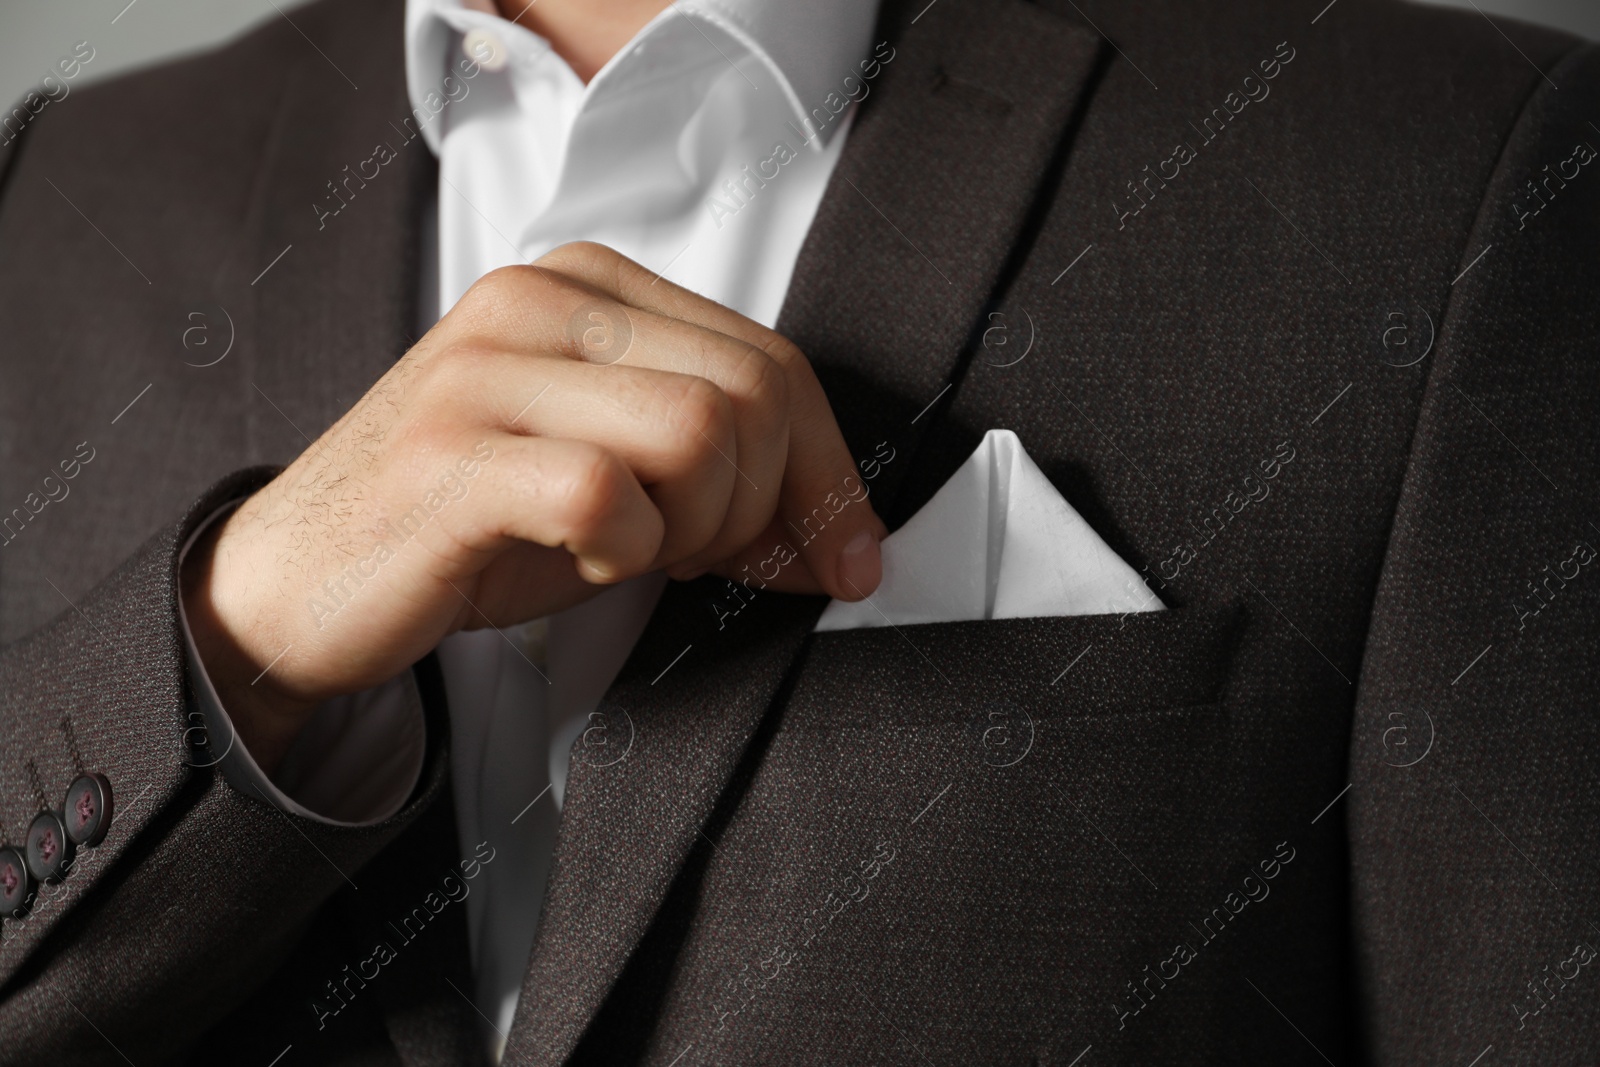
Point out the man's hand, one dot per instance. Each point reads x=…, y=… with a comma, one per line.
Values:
x=567, y=425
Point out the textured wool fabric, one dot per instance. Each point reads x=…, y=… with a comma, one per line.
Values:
x=1483, y=642
x=1185, y=836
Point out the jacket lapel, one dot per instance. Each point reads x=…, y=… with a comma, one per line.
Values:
x=912, y=242
x=930, y=210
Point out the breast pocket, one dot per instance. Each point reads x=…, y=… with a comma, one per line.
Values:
x=1012, y=815
x=1113, y=723
x=1042, y=668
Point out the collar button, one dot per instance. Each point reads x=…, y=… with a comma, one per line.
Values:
x=484, y=48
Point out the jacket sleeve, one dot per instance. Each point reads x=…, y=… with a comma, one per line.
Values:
x=1474, y=817
x=192, y=877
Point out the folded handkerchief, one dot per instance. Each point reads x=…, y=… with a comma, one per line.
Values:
x=996, y=542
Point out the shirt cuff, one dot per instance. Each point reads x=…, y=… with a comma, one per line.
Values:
x=355, y=763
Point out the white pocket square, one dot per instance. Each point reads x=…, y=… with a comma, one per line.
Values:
x=995, y=542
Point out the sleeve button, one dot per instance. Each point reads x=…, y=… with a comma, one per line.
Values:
x=16, y=884
x=87, y=810
x=49, y=849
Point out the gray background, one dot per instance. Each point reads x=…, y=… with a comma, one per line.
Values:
x=35, y=33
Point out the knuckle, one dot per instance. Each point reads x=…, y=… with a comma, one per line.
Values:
x=487, y=301
x=589, y=490
x=785, y=353
x=804, y=397
x=703, y=418
x=493, y=287
x=456, y=367
x=759, y=378
x=578, y=256
x=498, y=308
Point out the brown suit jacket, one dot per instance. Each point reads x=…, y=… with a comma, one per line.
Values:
x=1301, y=341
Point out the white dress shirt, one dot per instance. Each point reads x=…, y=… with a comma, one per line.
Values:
x=701, y=150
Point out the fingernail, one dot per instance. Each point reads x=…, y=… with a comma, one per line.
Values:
x=595, y=574
x=861, y=564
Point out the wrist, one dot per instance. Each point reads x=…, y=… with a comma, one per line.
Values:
x=266, y=717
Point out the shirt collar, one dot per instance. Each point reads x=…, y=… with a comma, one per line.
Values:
x=812, y=46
